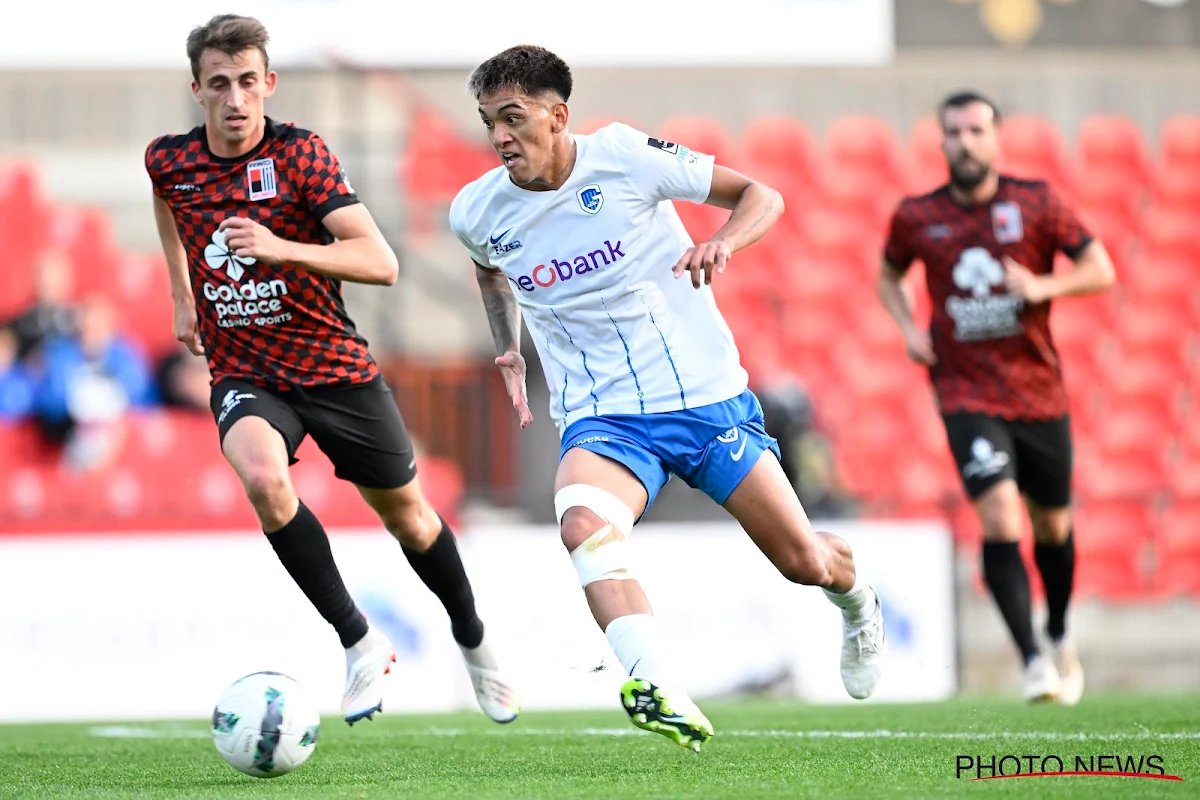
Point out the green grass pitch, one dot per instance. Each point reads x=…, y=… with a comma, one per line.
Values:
x=762, y=750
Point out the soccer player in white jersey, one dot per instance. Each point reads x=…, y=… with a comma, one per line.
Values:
x=578, y=235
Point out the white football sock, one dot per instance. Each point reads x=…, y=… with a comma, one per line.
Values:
x=364, y=645
x=858, y=604
x=638, y=645
x=480, y=656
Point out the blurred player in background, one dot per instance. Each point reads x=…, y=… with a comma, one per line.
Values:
x=988, y=242
x=260, y=227
x=579, y=233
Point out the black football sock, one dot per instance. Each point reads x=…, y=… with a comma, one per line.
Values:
x=1008, y=581
x=1056, y=563
x=303, y=549
x=441, y=569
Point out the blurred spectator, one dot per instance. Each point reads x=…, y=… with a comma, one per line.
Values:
x=806, y=454
x=16, y=383
x=184, y=380
x=88, y=381
x=51, y=314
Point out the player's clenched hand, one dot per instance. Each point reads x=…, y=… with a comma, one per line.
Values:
x=245, y=237
x=185, y=327
x=1023, y=283
x=919, y=348
x=512, y=367
x=703, y=259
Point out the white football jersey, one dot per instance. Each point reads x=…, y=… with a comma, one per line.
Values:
x=590, y=265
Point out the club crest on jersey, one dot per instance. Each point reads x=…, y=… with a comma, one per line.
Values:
x=1006, y=222
x=591, y=199
x=261, y=176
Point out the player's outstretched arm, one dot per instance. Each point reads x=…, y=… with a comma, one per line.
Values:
x=504, y=318
x=755, y=207
x=184, y=325
x=360, y=254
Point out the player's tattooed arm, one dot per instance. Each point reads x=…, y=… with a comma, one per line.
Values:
x=503, y=313
x=504, y=319
x=755, y=208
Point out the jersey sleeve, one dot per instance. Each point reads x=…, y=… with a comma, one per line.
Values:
x=461, y=229
x=1066, y=230
x=321, y=178
x=663, y=170
x=899, y=250
x=154, y=164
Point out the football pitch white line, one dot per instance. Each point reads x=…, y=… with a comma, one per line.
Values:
x=151, y=732
x=791, y=734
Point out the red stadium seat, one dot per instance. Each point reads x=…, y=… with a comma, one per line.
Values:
x=1116, y=231
x=1166, y=279
x=142, y=282
x=26, y=216
x=1105, y=142
x=1144, y=324
x=781, y=146
x=1149, y=378
x=1137, y=475
x=1179, y=142
x=859, y=199
x=1108, y=193
x=1184, y=475
x=1178, y=550
x=1031, y=147
x=867, y=145
x=701, y=221
x=1111, y=545
x=703, y=135
x=925, y=149
x=1177, y=188
x=927, y=482
x=439, y=160
x=1166, y=231
x=841, y=242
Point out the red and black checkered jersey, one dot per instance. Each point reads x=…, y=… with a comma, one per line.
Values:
x=275, y=325
x=994, y=353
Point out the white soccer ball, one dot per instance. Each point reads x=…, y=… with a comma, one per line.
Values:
x=265, y=725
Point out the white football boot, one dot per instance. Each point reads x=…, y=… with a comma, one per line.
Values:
x=1041, y=680
x=496, y=695
x=864, y=645
x=367, y=662
x=1070, y=673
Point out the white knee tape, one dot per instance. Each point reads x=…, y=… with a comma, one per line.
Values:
x=605, y=505
x=603, y=555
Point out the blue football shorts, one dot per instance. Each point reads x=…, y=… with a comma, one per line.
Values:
x=712, y=448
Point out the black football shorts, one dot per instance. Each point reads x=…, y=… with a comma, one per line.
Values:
x=358, y=426
x=1037, y=454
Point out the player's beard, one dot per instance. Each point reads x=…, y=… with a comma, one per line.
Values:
x=968, y=178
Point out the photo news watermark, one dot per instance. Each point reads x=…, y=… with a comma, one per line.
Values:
x=994, y=767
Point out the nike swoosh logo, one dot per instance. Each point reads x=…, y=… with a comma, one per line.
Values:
x=496, y=239
x=737, y=455
x=631, y=669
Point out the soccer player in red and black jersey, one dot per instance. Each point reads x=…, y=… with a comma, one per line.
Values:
x=988, y=243
x=260, y=227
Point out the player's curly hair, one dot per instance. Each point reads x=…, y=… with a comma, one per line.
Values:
x=230, y=34
x=531, y=69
